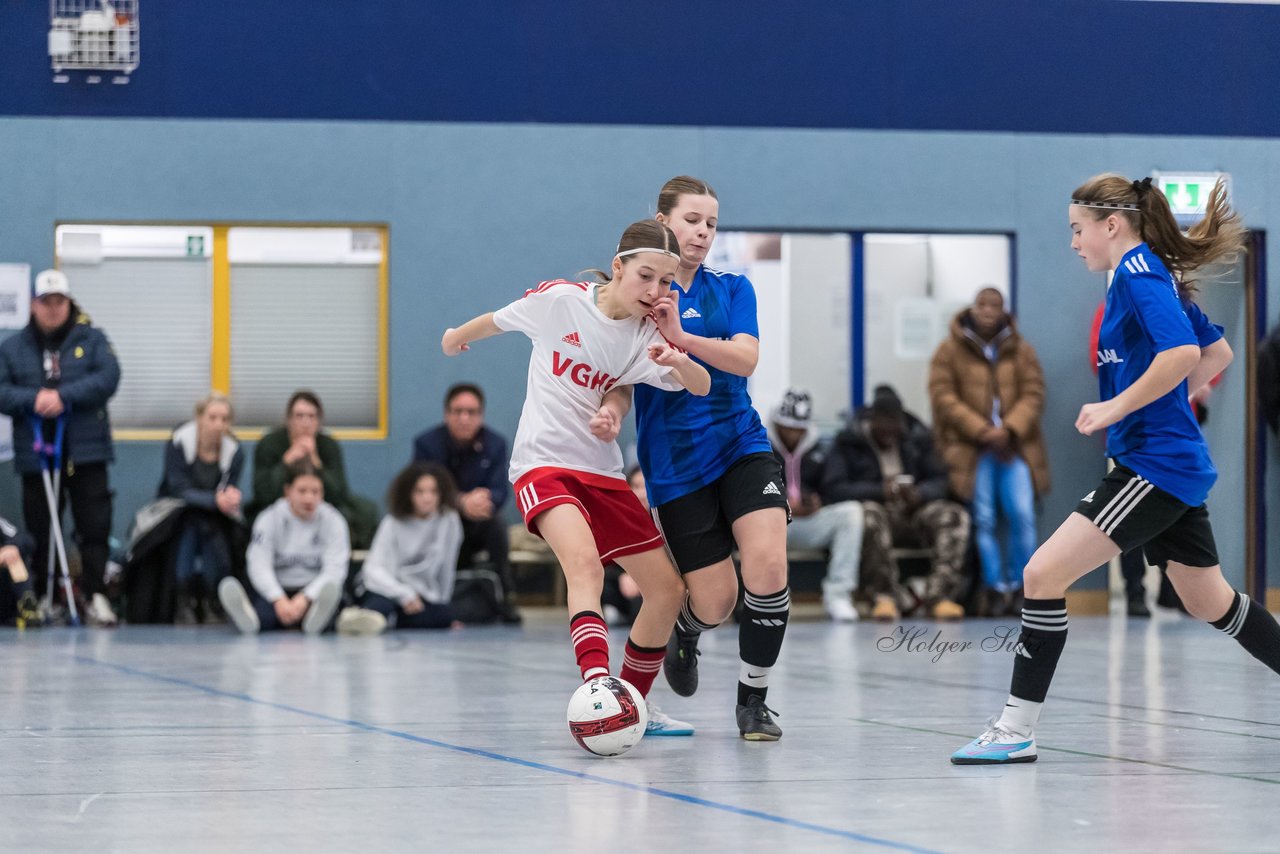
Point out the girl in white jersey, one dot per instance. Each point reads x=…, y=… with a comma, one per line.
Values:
x=712, y=478
x=1155, y=347
x=565, y=464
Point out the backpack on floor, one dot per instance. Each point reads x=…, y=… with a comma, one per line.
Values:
x=477, y=596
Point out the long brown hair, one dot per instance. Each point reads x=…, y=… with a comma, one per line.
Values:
x=644, y=234
x=1220, y=236
x=400, y=493
x=682, y=185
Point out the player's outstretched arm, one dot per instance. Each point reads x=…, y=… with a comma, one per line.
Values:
x=1213, y=361
x=457, y=340
x=691, y=375
x=1168, y=369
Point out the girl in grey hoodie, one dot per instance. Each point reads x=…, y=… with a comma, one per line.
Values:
x=409, y=573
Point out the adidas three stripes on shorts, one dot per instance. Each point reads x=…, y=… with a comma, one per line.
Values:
x=1135, y=513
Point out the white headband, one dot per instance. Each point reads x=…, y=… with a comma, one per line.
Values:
x=1123, y=206
x=636, y=251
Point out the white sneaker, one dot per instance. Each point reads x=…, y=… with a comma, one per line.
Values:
x=660, y=723
x=361, y=621
x=840, y=608
x=321, y=610
x=236, y=604
x=100, y=611
x=997, y=746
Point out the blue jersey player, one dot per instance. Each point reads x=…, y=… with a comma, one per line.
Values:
x=1155, y=345
x=712, y=478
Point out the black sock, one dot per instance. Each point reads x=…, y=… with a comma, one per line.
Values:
x=688, y=623
x=1044, y=634
x=21, y=588
x=1254, y=628
x=764, y=622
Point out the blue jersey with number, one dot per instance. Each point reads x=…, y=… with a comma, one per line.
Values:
x=686, y=441
x=1145, y=315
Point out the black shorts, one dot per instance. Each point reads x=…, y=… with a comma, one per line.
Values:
x=1135, y=513
x=698, y=527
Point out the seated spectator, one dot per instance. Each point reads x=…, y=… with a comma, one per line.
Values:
x=302, y=438
x=987, y=392
x=18, y=602
x=202, y=466
x=477, y=458
x=410, y=570
x=298, y=561
x=835, y=527
x=621, y=597
x=885, y=459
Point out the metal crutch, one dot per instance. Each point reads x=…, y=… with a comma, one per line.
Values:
x=50, y=455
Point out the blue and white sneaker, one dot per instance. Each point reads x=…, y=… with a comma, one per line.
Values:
x=996, y=746
x=660, y=723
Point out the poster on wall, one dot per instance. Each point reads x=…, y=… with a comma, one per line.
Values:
x=15, y=295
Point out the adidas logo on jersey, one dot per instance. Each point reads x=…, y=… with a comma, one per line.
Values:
x=772, y=489
x=572, y=338
x=1088, y=499
x=690, y=312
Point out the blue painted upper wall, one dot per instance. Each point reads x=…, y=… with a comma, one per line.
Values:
x=1062, y=66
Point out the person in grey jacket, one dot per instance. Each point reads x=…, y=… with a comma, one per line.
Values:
x=297, y=561
x=410, y=570
x=62, y=367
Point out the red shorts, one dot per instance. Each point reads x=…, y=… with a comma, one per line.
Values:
x=620, y=524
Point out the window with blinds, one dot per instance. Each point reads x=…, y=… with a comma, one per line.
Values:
x=255, y=312
x=312, y=327
x=153, y=301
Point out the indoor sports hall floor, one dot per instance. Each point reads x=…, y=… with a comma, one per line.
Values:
x=1160, y=736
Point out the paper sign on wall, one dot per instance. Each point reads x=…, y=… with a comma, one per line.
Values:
x=15, y=295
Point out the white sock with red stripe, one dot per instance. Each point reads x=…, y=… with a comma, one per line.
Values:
x=590, y=637
x=640, y=664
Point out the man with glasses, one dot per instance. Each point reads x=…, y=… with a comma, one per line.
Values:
x=477, y=458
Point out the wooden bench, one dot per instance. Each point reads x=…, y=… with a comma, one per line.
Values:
x=531, y=554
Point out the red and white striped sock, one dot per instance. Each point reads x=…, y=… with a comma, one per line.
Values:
x=590, y=637
x=640, y=665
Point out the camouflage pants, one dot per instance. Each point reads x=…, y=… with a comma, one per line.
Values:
x=940, y=526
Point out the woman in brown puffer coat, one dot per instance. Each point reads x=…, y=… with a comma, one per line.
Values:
x=987, y=392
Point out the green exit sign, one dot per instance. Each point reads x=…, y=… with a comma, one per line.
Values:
x=1188, y=192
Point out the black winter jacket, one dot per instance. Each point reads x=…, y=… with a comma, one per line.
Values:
x=853, y=470
x=90, y=376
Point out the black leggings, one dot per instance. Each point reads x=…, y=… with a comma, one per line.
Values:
x=85, y=486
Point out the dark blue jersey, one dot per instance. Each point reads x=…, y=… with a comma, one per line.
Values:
x=1145, y=315
x=686, y=441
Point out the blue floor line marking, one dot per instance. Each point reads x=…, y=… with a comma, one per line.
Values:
x=527, y=763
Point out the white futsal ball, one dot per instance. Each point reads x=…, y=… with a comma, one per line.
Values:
x=607, y=716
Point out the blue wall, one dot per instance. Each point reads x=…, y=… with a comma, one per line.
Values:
x=509, y=142
x=1066, y=66
x=479, y=212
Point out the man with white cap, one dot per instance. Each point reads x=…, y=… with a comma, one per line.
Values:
x=836, y=527
x=61, y=367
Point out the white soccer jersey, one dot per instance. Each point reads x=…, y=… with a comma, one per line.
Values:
x=578, y=355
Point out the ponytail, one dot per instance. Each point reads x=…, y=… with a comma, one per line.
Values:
x=1220, y=236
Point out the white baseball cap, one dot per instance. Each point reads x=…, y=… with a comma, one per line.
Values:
x=49, y=282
